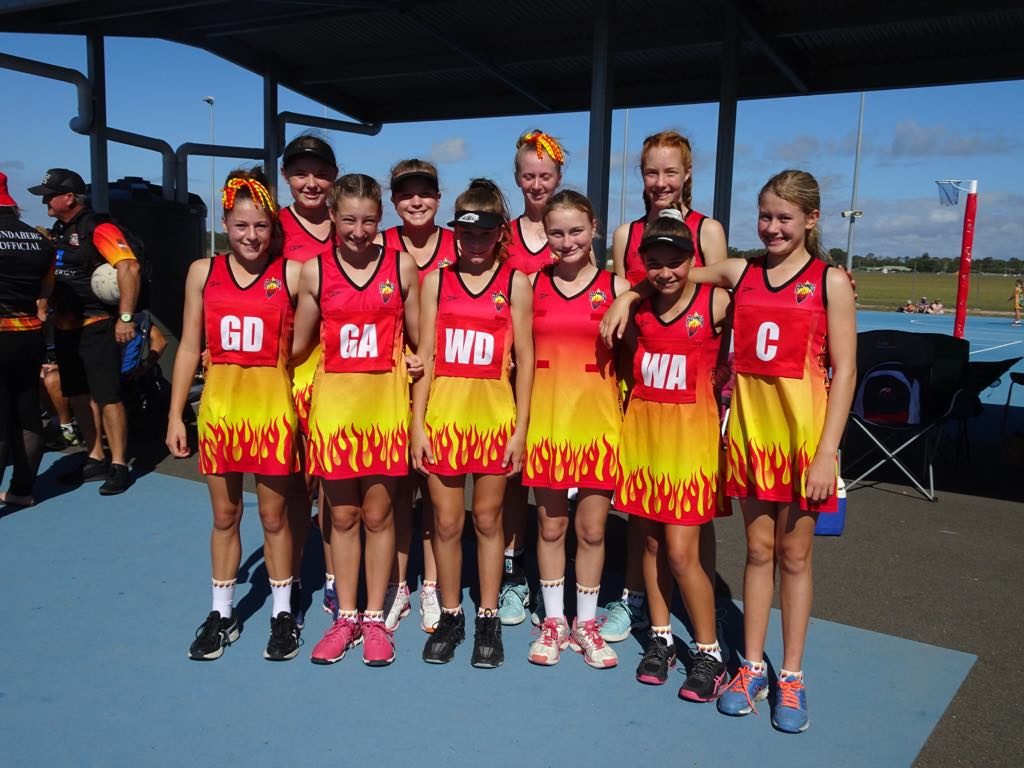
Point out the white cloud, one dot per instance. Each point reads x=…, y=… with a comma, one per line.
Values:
x=913, y=140
x=449, y=151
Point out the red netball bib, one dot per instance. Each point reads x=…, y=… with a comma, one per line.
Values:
x=665, y=370
x=471, y=348
x=771, y=344
x=247, y=334
x=359, y=341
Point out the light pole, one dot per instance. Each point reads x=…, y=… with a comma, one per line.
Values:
x=853, y=214
x=213, y=175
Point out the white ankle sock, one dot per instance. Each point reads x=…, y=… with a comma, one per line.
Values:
x=665, y=633
x=714, y=650
x=281, y=591
x=223, y=597
x=553, y=593
x=586, y=603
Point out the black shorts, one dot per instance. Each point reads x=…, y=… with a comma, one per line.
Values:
x=89, y=361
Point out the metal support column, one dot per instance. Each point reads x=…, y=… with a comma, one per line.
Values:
x=271, y=143
x=725, y=154
x=100, y=194
x=601, y=84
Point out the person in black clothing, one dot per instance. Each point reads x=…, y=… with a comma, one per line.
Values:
x=88, y=332
x=26, y=260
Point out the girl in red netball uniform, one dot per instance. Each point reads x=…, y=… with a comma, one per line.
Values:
x=666, y=165
x=309, y=168
x=416, y=195
x=363, y=300
x=242, y=302
x=538, y=169
x=670, y=450
x=575, y=418
x=796, y=352
x=465, y=419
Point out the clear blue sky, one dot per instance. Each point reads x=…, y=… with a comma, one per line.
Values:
x=911, y=138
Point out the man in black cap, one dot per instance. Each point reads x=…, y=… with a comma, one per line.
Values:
x=88, y=332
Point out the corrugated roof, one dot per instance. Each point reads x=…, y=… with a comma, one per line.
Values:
x=404, y=60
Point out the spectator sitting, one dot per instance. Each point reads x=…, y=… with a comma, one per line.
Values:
x=910, y=307
x=936, y=308
x=922, y=305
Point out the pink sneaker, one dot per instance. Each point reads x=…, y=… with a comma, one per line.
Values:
x=586, y=639
x=378, y=644
x=342, y=635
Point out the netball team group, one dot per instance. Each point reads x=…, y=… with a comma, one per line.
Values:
x=363, y=367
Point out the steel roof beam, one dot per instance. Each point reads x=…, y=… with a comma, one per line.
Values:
x=769, y=49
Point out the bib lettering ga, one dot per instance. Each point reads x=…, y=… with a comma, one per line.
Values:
x=359, y=341
x=772, y=342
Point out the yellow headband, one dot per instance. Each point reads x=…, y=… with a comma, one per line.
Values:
x=260, y=196
x=542, y=142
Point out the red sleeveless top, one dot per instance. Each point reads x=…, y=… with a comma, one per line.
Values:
x=474, y=331
x=521, y=257
x=443, y=255
x=779, y=331
x=634, y=262
x=299, y=243
x=248, y=326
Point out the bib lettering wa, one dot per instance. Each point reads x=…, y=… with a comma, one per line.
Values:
x=246, y=417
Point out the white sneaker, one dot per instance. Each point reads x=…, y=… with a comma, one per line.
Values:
x=430, y=609
x=547, y=649
x=396, y=601
x=586, y=639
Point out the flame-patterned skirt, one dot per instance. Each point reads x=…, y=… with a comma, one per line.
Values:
x=469, y=423
x=359, y=425
x=247, y=421
x=774, y=430
x=575, y=420
x=670, y=463
x=302, y=386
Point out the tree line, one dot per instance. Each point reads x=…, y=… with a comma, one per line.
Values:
x=923, y=263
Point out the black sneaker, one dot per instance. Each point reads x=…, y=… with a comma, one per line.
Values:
x=659, y=657
x=284, y=638
x=449, y=634
x=212, y=637
x=117, y=481
x=91, y=469
x=706, y=680
x=488, y=651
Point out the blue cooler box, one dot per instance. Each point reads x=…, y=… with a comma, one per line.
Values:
x=831, y=524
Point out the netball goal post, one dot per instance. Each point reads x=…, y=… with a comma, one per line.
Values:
x=949, y=194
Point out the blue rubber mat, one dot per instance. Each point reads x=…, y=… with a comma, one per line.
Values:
x=103, y=596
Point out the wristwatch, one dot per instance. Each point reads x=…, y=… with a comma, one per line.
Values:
x=126, y=317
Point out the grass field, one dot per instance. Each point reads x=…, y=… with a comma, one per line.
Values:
x=988, y=292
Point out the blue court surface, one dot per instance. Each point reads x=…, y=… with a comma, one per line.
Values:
x=103, y=595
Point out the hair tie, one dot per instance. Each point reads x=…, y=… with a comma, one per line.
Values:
x=260, y=196
x=671, y=213
x=543, y=142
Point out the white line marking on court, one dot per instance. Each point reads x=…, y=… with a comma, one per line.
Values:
x=1000, y=346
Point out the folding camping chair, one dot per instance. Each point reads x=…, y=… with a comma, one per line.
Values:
x=908, y=385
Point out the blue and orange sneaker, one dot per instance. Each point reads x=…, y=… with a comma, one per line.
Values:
x=744, y=691
x=790, y=715
x=330, y=604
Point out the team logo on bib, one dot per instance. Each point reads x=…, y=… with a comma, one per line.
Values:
x=386, y=288
x=804, y=291
x=499, y=299
x=694, y=323
x=271, y=286
x=597, y=298
x=445, y=262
